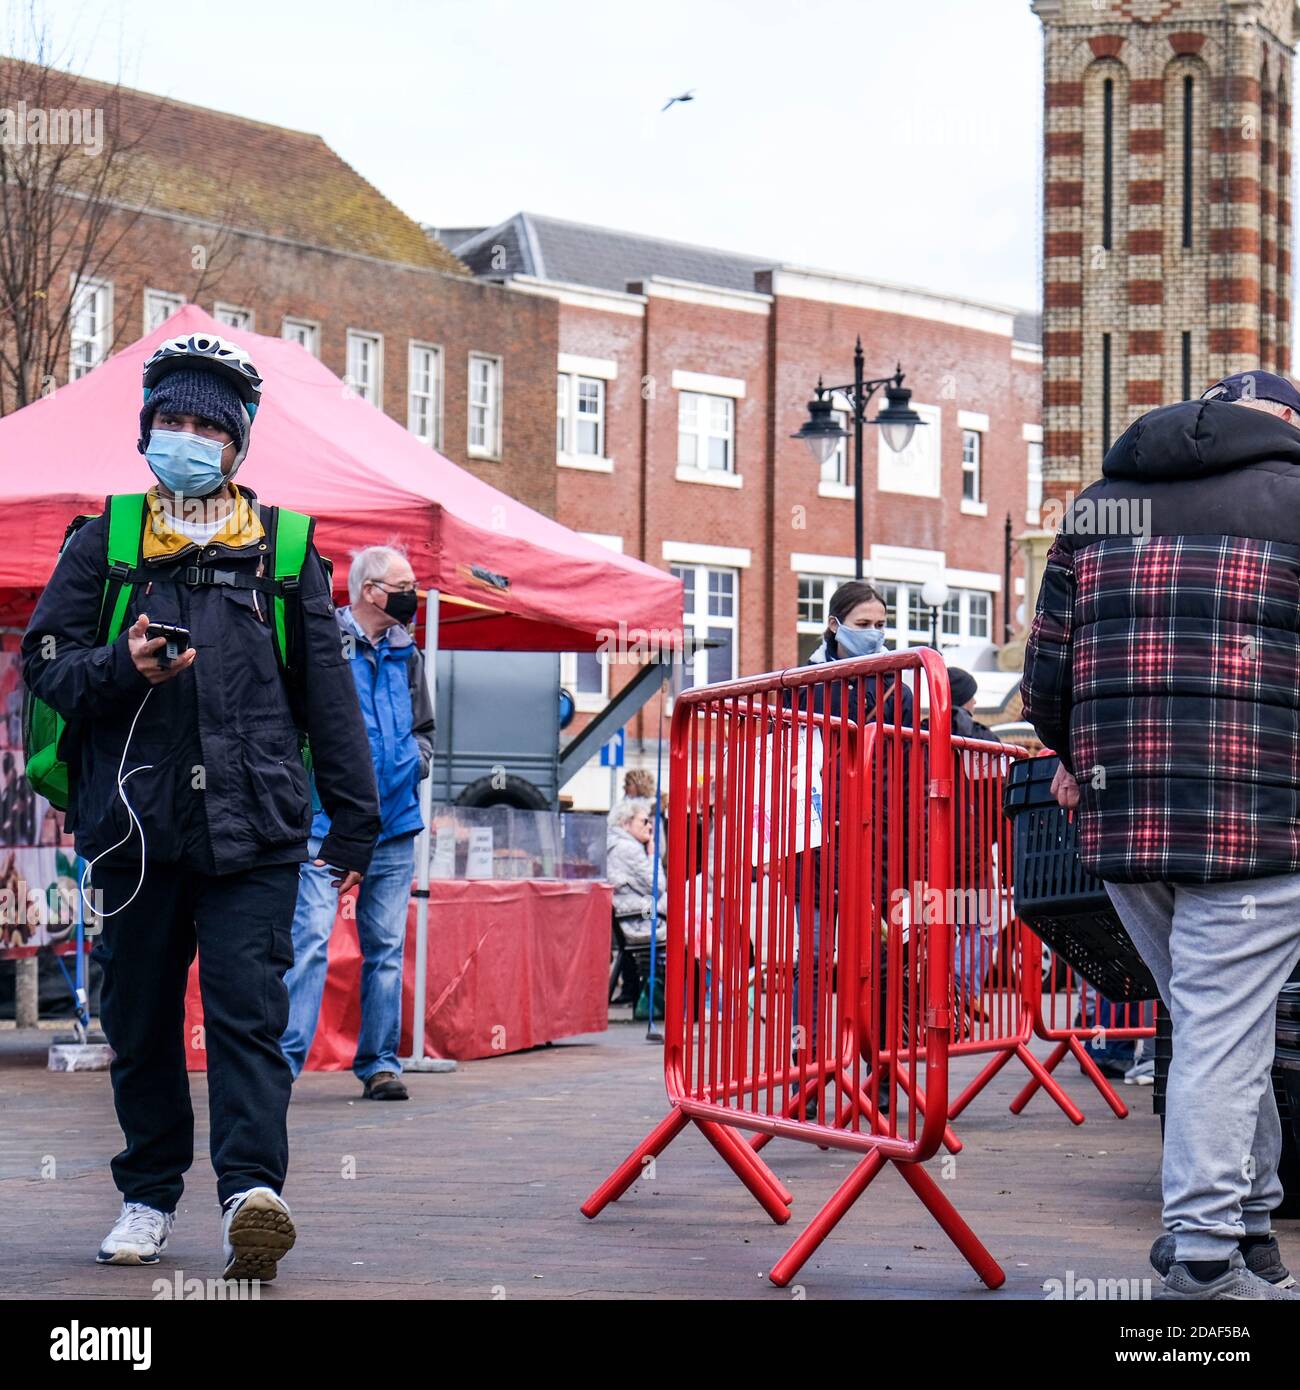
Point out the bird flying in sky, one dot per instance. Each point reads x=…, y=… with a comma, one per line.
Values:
x=685, y=96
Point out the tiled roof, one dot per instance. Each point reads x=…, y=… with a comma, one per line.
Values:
x=577, y=253
x=240, y=173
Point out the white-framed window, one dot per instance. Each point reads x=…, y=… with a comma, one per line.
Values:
x=424, y=393
x=950, y=618
x=972, y=443
x=233, y=316
x=91, y=318
x=579, y=415
x=1034, y=501
x=916, y=469
x=484, y=405
x=836, y=468
x=304, y=332
x=813, y=611
x=710, y=608
x=159, y=306
x=366, y=365
x=967, y=616
x=586, y=675
x=706, y=432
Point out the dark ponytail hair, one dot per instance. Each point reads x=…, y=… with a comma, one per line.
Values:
x=844, y=600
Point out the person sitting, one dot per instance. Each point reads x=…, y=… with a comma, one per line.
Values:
x=630, y=868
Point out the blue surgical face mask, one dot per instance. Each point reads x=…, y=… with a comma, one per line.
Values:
x=185, y=463
x=859, y=641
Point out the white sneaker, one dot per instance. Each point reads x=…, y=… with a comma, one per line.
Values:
x=255, y=1232
x=139, y=1237
x=1141, y=1073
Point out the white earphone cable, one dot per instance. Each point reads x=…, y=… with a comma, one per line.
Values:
x=134, y=824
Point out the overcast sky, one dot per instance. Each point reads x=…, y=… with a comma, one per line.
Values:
x=897, y=138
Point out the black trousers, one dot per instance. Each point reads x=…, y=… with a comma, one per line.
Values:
x=243, y=926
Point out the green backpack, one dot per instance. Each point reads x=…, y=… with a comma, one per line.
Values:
x=44, y=730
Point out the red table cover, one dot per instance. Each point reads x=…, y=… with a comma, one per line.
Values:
x=512, y=963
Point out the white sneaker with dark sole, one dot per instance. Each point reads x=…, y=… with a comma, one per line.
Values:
x=256, y=1232
x=139, y=1237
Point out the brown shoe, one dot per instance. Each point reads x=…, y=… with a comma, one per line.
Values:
x=385, y=1085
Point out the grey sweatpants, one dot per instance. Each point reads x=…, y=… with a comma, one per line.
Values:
x=1220, y=953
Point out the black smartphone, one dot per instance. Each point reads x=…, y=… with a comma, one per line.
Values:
x=177, y=639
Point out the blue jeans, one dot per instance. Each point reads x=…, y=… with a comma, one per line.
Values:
x=972, y=953
x=1101, y=1013
x=381, y=927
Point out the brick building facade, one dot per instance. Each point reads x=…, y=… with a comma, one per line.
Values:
x=1167, y=210
x=271, y=231
x=643, y=392
x=682, y=374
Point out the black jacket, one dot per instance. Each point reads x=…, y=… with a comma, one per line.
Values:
x=225, y=787
x=1164, y=660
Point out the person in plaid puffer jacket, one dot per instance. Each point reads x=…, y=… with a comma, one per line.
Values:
x=1163, y=667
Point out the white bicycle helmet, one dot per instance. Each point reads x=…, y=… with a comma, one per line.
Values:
x=214, y=353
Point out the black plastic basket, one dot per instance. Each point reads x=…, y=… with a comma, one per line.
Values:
x=1058, y=898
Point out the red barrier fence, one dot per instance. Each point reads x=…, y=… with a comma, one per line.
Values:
x=1008, y=986
x=810, y=966
x=1064, y=1007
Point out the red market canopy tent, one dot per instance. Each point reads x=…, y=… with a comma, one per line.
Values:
x=509, y=578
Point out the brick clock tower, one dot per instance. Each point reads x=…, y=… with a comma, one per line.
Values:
x=1166, y=211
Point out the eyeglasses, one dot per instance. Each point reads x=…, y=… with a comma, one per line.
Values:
x=397, y=589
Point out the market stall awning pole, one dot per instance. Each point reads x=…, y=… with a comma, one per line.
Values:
x=417, y=1061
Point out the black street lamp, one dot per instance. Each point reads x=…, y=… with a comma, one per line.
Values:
x=822, y=433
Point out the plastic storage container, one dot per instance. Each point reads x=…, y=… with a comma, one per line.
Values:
x=1055, y=895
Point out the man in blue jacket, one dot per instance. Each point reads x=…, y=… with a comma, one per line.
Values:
x=389, y=674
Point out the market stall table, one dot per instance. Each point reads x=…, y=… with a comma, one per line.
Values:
x=512, y=964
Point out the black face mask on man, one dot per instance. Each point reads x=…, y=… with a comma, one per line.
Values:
x=401, y=605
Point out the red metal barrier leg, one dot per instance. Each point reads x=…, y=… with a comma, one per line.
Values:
x=1098, y=1080
x=632, y=1166
x=826, y=1219
x=747, y=1155
x=1033, y=1083
x=1045, y=1080
x=917, y=1097
x=954, y=1227
x=752, y=1171
x=994, y=1065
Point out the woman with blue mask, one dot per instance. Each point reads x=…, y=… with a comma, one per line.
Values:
x=855, y=628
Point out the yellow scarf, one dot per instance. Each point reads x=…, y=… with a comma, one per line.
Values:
x=162, y=540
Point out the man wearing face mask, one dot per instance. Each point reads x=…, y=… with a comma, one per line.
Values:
x=390, y=681
x=189, y=795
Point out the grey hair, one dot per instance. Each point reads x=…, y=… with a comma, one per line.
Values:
x=627, y=808
x=370, y=564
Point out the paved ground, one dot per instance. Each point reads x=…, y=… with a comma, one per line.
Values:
x=472, y=1190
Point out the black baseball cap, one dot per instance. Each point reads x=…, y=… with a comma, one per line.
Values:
x=1255, y=386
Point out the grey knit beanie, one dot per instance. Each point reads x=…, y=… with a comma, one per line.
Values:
x=196, y=391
